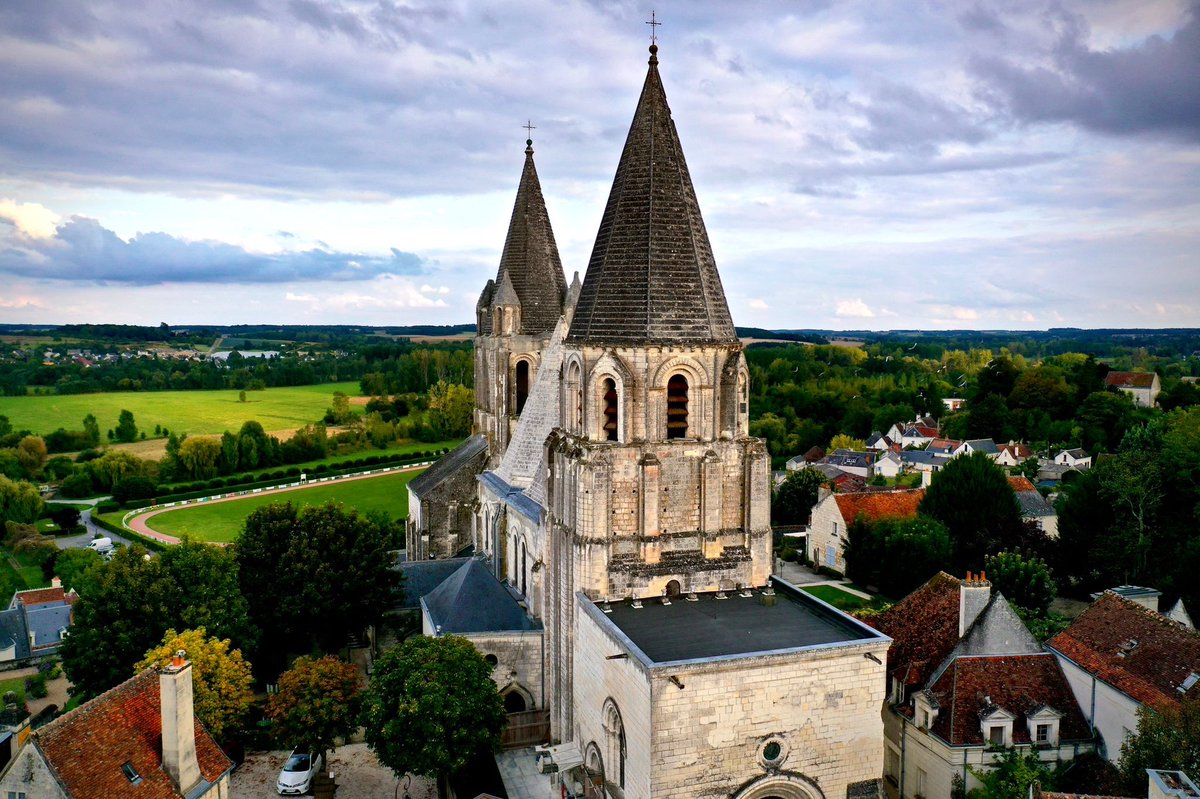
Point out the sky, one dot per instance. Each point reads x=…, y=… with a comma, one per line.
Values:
x=948, y=164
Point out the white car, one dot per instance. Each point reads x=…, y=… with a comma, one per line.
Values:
x=298, y=772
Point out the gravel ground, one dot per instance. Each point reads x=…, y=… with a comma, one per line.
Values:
x=354, y=767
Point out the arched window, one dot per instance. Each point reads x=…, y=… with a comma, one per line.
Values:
x=609, y=421
x=523, y=569
x=614, y=743
x=514, y=702
x=677, y=406
x=522, y=385
x=673, y=589
x=574, y=399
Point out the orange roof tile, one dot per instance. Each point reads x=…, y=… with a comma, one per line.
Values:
x=1130, y=379
x=41, y=596
x=923, y=627
x=1132, y=648
x=880, y=504
x=1021, y=484
x=87, y=747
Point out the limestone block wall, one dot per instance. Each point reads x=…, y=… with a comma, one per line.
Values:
x=445, y=514
x=821, y=706
x=518, y=662
x=600, y=684
x=828, y=529
x=28, y=774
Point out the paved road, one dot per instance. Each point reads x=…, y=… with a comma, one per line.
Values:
x=85, y=518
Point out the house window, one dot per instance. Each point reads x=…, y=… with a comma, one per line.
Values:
x=835, y=529
x=610, y=410
x=677, y=407
x=996, y=735
x=522, y=382
x=1042, y=735
x=921, y=779
x=614, y=740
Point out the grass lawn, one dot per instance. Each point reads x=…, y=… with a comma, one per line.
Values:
x=842, y=600
x=222, y=522
x=195, y=412
x=17, y=686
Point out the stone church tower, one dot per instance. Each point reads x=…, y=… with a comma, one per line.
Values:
x=516, y=313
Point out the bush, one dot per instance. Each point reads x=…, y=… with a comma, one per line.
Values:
x=788, y=554
x=828, y=572
x=293, y=472
x=12, y=698
x=107, y=506
x=35, y=685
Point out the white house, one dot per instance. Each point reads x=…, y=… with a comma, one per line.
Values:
x=1121, y=654
x=984, y=445
x=889, y=465
x=832, y=515
x=1034, y=507
x=1075, y=458
x=912, y=434
x=964, y=675
x=1013, y=454
x=1143, y=387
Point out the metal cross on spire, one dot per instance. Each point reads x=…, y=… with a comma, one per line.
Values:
x=529, y=128
x=653, y=23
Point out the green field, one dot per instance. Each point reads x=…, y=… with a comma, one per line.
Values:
x=196, y=412
x=222, y=522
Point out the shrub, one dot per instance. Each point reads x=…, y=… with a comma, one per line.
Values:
x=35, y=685
x=12, y=698
x=293, y=472
x=107, y=506
x=828, y=572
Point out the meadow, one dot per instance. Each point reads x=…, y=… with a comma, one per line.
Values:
x=194, y=412
x=221, y=522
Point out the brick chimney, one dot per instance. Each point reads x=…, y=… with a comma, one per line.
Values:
x=973, y=595
x=178, y=725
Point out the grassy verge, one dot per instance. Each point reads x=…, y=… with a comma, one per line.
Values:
x=17, y=686
x=222, y=522
x=842, y=600
x=195, y=412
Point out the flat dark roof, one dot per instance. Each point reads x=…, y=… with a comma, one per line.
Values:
x=737, y=625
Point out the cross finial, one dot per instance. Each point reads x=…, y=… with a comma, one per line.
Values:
x=529, y=128
x=653, y=23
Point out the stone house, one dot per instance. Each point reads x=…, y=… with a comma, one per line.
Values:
x=1034, y=507
x=441, y=508
x=139, y=740
x=1121, y=654
x=833, y=513
x=629, y=482
x=859, y=464
x=943, y=448
x=35, y=622
x=913, y=434
x=1143, y=387
x=964, y=675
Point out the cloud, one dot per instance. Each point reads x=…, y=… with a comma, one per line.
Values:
x=82, y=249
x=385, y=292
x=20, y=303
x=757, y=304
x=1150, y=86
x=855, y=308
x=30, y=219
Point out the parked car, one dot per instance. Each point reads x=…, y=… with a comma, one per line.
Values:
x=298, y=772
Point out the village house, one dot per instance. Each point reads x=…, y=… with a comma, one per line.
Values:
x=984, y=445
x=1013, y=454
x=913, y=434
x=859, y=464
x=889, y=465
x=878, y=442
x=1034, y=507
x=966, y=675
x=1122, y=654
x=35, y=622
x=139, y=740
x=1143, y=387
x=833, y=514
x=1076, y=458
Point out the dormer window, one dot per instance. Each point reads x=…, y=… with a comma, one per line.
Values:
x=995, y=735
x=1043, y=723
x=996, y=724
x=925, y=710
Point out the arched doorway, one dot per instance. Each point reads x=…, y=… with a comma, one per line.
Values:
x=673, y=589
x=514, y=702
x=779, y=786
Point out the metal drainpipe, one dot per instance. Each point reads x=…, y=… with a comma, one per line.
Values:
x=903, y=761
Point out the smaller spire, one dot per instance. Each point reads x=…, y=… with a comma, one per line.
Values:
x=505, y=293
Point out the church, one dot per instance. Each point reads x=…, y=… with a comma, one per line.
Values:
x=613, y=493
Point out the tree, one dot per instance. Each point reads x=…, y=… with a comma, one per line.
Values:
x=1167, y=737
x=896, y=555
x=795, y=497
x=198, y=458
x=132, y=600
x=221, y=680
x=451, y=409
x=19, y=501
x=317, y=703
x=432, y=708
x=1026, y=581
x=75, y=568
x=91, y=429
x=65, y=516
x=843, y=441
x=1011, y=774
x=313, y=574
x=972, y=497
x=126, y=430
x=1102, y=420
x=32, y=455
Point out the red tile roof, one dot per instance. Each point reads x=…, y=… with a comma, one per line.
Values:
x=1019, y=451
x=880, y=504
x=87, y=747
x=1019, y=684
x=1021, y=484
x=41, y=596
x=925, y=431
x=1130, y=379
x=1132, y=648
x=923, y=627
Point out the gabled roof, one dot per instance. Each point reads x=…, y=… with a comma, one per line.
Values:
x=923, y=627
x=1017, y=450
x=44, y=596
x=985, y=445
x=1032, y=503
x=530, y=259
x=946, y=445
x=1022, y=685
x=86, y=748
x=1132, y=648
x=1130, y=379
x=1075, y=453
x=652, y=277
x=449, y=464
x=880, y=504
x=471, y=600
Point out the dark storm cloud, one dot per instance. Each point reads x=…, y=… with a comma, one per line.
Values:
x=1153, y=86
x=83, y=250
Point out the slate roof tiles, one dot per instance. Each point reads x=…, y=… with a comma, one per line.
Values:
x=1132, y=648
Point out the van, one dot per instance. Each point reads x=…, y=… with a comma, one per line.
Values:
x=101, y=545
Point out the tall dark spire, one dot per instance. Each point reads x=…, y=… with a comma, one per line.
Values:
x=652, y=278
x=530, y=259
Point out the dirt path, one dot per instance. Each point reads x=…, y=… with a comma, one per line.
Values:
x=138, y=523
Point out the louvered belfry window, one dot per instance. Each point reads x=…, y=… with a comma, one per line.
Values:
x=610, y=409
x=677, y=407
